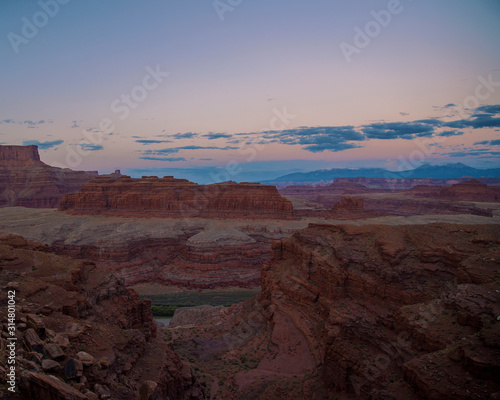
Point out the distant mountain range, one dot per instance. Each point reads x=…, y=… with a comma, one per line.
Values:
x=449, y=171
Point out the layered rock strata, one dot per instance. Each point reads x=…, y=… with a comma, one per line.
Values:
x=407, y=311
x=81, y=334
x=28, y=182
x=177, y=198
x=363, y=312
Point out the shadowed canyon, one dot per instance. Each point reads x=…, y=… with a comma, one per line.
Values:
x=361, y=292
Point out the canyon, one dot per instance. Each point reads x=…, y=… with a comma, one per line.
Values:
x=81, y=334
x=359, y=312
x=466, y=197
x=193, y=253
x=28, y=182
x=369, y=289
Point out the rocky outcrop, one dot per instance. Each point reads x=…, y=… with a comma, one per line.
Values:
x=414, y=206
x=21, y=154
x=28, y=182
x=177, y=198
x=349, y=204
x=391, y=311
x=389, y=198
x=81, y=334
x=365, y=312
x=339, y=187
x=472, y=190
x=196, y=253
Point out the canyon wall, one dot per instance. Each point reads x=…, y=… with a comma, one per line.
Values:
x=471, y=190
x=393, y=312
x=360, y=312
x=21, y=154
x=177, y=198
x=28, y=182
x=81, y=334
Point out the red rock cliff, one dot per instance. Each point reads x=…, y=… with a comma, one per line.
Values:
x=19, y=153
x=471, y=190
x=391, y=312
x=177, y=198
x=28, y=182
x=81, y=334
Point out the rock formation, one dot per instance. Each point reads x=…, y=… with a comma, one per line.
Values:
x=176, y=198
x=365, y=312
x=196, y=253
x=26, y=181
x=80, y=333
x=349, y=204
x=406, y=206
x=471, y=190
x=338, y=187
x=19, y=154
x=420, y=200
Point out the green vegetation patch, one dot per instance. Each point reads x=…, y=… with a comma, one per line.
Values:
x=164, y=305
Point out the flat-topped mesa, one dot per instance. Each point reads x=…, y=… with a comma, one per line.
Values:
x=176, y=198
x=471, y=190
x=349, y=203
x=24, y=154
x=26, y=181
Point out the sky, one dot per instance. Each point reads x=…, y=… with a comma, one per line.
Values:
x=246, y=88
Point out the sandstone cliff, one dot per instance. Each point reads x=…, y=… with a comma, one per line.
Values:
x=21, y=154
x=472, y=190
x=407, y=312
x=26, y=181
x=362, y=312
x=81, y=334
x=177, y=198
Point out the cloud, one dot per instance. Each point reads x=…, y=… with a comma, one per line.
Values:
x=43, y=145
x=173, y=150
x=317, y=139
x=161, y=151
x=193, y=147
x=474, y=153
x=450, y=133
x=169, y=159
x=28, y=122
x=212, y=136
x=149, y=141
x=401, y=130
x=206, y=159
x=91, y=147
x=450, y=105
x=495, y=142
x=187, y=135
x=490, y=109
x=479, y=121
